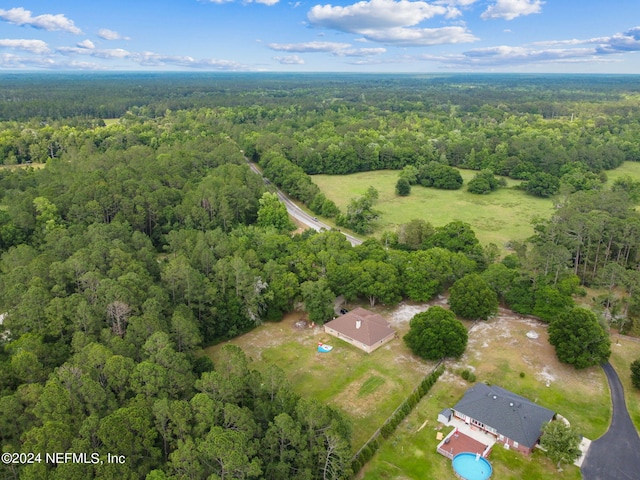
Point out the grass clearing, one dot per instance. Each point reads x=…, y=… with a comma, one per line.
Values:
x=627, y=168
x=499, y=351
x=366, y=387
x=498, y=217
x=625, y=350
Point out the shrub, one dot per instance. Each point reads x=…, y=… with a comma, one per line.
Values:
x=468, y=375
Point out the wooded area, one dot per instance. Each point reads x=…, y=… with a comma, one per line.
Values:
x=145, y=239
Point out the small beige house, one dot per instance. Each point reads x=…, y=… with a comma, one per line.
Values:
x=361, y=328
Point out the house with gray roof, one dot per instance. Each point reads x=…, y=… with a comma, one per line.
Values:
x=514, y=420
x=362, y=328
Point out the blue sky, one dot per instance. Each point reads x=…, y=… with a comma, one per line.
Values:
x=555, y=36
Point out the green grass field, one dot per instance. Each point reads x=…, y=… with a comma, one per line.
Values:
x=625, y=350
x=498, y=218
x=627, y=168
x=498, y=352
x=366, y=387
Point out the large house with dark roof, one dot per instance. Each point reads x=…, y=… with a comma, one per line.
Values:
x=514, y=420
x=361, y=328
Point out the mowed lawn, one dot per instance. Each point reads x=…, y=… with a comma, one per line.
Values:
x=625, y=350
x=366, y=387
x=499, y=217
x=499, y=353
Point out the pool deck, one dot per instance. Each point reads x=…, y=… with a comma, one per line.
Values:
x=464, y=438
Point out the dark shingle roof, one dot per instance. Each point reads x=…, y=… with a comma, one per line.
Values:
x=362, y=325
x=511, y=415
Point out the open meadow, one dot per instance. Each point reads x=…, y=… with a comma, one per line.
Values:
x=497, y=218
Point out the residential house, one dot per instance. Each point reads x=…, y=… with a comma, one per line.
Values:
x=515, y=421
x=361, y=328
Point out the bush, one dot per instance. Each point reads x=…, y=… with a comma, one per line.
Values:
x=484, y=182
x=635, y=373
x=437, y=175
x=403, y=187
x=468, y=375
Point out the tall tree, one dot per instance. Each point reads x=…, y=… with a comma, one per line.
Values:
x=436, y=334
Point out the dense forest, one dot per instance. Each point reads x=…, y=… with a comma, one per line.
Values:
x=143, y=239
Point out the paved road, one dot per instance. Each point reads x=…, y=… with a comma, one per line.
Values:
x=299, y=214
x=615, y=455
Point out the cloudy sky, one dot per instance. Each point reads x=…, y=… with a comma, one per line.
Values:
x=581, y=36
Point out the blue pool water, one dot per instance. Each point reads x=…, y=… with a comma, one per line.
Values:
x=466, y=465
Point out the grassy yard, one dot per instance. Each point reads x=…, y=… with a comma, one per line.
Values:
x=500, y=353
x=366, y=387
x=499, y=217
x=625, y=350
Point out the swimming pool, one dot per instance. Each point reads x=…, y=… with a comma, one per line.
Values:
x=471, y=466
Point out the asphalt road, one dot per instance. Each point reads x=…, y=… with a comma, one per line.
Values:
x=296, y=212
x=615, y=455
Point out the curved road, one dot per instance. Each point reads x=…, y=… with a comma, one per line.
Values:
x=295, y=211
x=615, y=455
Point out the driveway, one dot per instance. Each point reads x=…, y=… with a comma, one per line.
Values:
x=615, y=455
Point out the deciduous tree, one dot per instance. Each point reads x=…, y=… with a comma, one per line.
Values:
x=580, y=340
x=471, y=297
x=561, y=443
x=436, y=334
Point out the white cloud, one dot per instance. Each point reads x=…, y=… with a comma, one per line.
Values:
x=49, y=22
x=152, y=59
x=510, y=9
x=391, y=22
x=86, y=44
x=264, y=2
x=373, y=14
x=360, y=52
x=337, y=49
x=628, y=41
x=107, y=34
x=594, y=50
x=421, y=36
x=309, y=47
x=289, y=60
x=460, y=3
x=34, y=46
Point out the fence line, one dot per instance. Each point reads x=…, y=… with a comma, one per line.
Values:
x=364, y=454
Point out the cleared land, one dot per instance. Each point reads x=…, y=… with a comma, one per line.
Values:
x=367, y=388
x=498, y=217
x=498, y=352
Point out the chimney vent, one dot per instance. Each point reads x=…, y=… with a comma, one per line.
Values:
x=358, y=324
